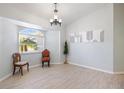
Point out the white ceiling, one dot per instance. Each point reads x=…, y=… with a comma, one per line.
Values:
x=69, y=12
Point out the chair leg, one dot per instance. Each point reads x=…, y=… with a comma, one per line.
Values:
x=21, y=70
x=28, y=67
x=42, y=64
x=14, y=70
x=48, y=63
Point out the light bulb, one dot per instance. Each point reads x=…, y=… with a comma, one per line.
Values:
x=60, y=20
x=55, y=17
x=51, y=20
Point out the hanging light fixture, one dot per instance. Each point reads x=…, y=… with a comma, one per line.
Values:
x=55, y=20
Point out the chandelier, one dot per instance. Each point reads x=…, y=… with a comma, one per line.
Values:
x=55, y=20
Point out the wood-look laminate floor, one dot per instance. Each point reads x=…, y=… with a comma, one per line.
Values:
x=63, y=76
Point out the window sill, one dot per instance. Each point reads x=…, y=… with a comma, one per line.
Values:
x=26, y=53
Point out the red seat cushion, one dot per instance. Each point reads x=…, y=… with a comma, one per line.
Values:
x=45, y=53
x=45, y=59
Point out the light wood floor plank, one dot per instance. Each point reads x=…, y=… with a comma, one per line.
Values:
x=64, y=76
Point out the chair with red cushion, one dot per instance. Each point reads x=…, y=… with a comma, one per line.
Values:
x=45, y=57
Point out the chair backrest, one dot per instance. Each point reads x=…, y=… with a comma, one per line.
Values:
x=16, y=57
x=46, y=53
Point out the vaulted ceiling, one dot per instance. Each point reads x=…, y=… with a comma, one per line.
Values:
x=69, y=12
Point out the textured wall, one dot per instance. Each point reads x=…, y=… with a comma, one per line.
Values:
x=98, y=55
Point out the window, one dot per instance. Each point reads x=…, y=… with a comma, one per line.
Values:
x=31, y=40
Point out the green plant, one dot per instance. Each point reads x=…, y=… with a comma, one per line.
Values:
x=66, y=48
x=66, y=51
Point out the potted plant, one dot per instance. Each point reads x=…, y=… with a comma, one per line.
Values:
x=65, y=52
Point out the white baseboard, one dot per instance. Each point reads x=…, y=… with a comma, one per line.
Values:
x=5, y=77
x=41, y=64
x=57, y=63
x=93, y=68
x=35, y=66
x=118, y=72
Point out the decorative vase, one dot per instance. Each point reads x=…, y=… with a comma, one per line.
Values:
x=66, y=61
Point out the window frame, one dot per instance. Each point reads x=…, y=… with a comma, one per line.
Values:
x=30, y=52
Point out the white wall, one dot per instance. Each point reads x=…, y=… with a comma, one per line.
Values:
x=55, y=39
x=13, y=13
x=53, y=44
x=34, y=59
x=62, y=42
x=9, y=45
x=1, y=51
x=97, y=55
x=9, y=32
x=118, y=37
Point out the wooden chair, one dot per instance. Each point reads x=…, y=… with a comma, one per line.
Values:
x=18, y=63
x=45, y=57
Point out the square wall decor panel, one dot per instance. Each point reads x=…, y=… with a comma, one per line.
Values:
x=86, y=36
